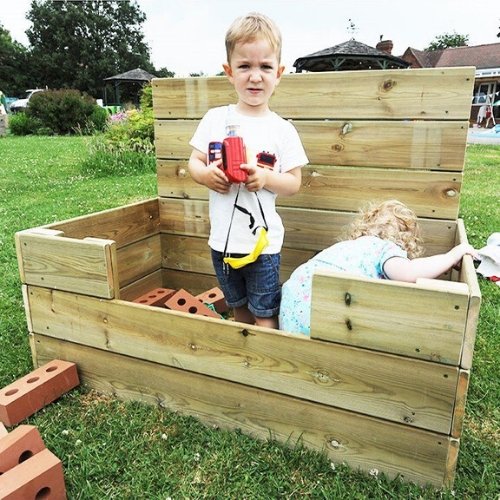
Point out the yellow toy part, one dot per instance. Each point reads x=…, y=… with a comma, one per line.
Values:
x=237, y=262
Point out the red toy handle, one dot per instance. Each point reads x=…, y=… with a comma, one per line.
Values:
x=233, y=155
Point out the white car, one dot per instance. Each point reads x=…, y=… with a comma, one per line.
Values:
x=20, y=104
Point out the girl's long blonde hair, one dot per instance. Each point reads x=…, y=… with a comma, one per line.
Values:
x=389, y=220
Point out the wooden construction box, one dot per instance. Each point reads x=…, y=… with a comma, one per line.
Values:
x=382, y=382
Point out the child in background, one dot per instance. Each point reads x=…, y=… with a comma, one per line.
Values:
x=238, y=210
x=382, y=242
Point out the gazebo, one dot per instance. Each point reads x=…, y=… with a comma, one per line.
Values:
x=134, y=76
x=349, y=55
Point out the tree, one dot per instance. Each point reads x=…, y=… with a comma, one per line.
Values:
x=447, y=40
x=164, y=73
x=77, y=44
x=14, y=70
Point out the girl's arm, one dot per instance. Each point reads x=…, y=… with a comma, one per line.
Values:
x=398, y=268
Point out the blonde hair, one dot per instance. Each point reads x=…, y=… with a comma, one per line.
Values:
x=390, y=220
x=251, y=27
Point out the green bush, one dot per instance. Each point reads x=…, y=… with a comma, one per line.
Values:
x=23, y=124
x=147, y=97
x=104, y=161
x=126, y=147
x=62, y=111
x=98, y=120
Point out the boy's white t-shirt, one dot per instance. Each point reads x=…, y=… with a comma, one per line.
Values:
x=268, y=134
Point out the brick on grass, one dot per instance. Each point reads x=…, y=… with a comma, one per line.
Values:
x=36, y=390
x=40, y=476
x=19, y=445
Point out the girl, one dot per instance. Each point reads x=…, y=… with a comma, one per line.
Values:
x=382, y=242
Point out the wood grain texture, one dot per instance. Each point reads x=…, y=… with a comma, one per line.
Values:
x=403, y=390
x=87, y=266
x=404, y=144
x=360, y=441
x=305, y=229
x=124, y=225
x=417, y=94
x=403, y=318
x=429, y=194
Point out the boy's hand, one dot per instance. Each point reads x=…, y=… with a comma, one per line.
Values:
x=257, y=177
x=215, y=178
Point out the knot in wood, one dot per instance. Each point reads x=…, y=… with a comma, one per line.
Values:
x=338, y=147
x=451, y=193
x=335, y=444
x=346, y=128
x=348, y=324
x=181, y=172
x=389, y=84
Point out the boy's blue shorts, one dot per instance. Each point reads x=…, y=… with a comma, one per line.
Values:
x=256, y=284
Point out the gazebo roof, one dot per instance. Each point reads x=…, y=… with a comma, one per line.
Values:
x=349, y=55
x=134, y=75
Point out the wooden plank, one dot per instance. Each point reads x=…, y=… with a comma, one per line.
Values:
x=422, y=94
x=390, y=316
x=188, y=253
x=87, y=266
x=404, y=144
x=361, y=442
x=429, y=194
x=469, y=276
x=461, y=399
x=139, y=259
x=124, y=224
x=305, y=229
x=142, y=285
x=194, y=283
x=409, y=391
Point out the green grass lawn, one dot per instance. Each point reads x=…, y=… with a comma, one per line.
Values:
x=116, y=449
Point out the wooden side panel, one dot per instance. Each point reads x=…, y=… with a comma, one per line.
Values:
x=461, y=399
x=389, y=94
x=468, y=275
x=142, y=285
x=390, y=316
x=341, y=188
x=139, y=259
x=87, y=266
x=404, y=390
x=124, y=225
x=305, y=229
x=362, y=442
x=406, y=144
x=188, y=253
x=194, y=283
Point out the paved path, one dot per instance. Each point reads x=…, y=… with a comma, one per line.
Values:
x=483, y=138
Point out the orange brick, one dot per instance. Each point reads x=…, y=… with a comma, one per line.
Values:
x=185, y=302
x=31, y=393
x=19, y=445
x=41, y=476
x=156, y=297
x=215, y=297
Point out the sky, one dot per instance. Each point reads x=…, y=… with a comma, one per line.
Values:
x=187, y=36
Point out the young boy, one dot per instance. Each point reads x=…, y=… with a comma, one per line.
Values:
x=239, y=211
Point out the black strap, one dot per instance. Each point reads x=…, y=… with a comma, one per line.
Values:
x=246, y=212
